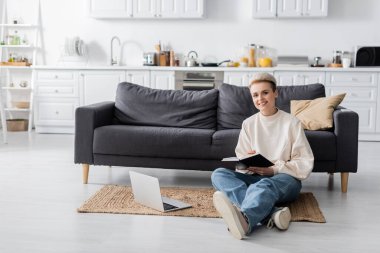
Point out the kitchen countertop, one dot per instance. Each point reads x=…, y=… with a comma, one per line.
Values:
x=230, y=69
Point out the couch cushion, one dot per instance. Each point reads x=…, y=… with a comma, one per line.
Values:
x=235, y=105
x=138, y=105
x=150, y=141
x=224, y=142
x=323, y=144
x=298, y=92
x=316, y=114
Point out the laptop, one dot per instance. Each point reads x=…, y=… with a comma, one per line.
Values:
x=146, y=191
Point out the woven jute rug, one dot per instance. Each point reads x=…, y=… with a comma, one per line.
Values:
x=119, y=200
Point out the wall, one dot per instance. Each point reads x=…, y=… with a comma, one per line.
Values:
x=222, y=35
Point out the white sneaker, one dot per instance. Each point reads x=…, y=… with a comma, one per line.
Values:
x=281, y=219
x=231, y=215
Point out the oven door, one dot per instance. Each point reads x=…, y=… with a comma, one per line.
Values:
x=197, y=85
x=192, y=80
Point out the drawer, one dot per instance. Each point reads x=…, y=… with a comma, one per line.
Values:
x=48, y=90
x=299, y=77
x=56, y=75
x=55, y=111
x=351, y=78
x=354, y=94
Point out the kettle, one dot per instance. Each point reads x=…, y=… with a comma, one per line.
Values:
x=191, y=60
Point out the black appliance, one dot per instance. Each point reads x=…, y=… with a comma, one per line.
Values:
x=367, y=57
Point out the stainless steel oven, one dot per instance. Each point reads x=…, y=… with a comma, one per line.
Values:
x=198, y=80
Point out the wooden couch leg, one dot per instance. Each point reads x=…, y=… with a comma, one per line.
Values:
x=85, y=169
x=344, y=181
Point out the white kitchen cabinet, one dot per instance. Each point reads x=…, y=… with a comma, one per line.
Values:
x=264, y=8
x=237, y=78
x=191, y=8
x=56, y=98
x=164, y=79
x=55, y=115
x=289, y=8
x=361, y=90
x=99, y=86
x=140, y=77
x=315, y=8
x=299, y=77
x=110, y=8
x=302, y=8
x=240, y=78
x=145, y=8
x=168, y=8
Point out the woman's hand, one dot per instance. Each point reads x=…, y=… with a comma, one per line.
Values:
x=262, y=171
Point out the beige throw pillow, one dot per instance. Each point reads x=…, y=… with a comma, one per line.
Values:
x=316, y=114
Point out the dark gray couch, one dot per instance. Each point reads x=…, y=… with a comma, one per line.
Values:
x=194, y=130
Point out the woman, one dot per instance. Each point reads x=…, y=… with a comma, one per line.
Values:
x=248, y=197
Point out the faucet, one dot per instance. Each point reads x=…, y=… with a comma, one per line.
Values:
x=114, y=61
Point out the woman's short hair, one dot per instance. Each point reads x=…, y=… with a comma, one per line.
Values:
x=263, y=77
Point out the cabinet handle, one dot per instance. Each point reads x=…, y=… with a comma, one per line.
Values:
x=354, y=79
x=56, y=91
x=57, y=112
x=56, y=76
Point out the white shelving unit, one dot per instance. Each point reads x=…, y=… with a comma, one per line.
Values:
x=14, y=78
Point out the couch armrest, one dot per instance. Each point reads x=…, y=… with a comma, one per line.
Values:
x=87, y=118
x=346, y=129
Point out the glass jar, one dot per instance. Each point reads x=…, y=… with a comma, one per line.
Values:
x=9, y=39
x=337, y=57
x=263, y=59
x=16, y=39
x=346, y=59
x=251, y=55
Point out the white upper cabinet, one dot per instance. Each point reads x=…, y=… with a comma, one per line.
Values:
x=168, y=8
x=315, y=8
x=192, y=8
x=264, y=8
x=289, y=8
x=146, y=8
x=110, y=8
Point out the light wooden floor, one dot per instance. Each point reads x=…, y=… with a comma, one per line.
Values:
x=40, y=189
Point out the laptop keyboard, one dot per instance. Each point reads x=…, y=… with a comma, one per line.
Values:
x=168, y=206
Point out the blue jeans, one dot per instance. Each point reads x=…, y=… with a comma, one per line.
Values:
x=256, y=196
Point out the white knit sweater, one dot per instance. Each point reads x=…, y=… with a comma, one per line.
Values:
x=281, y=139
